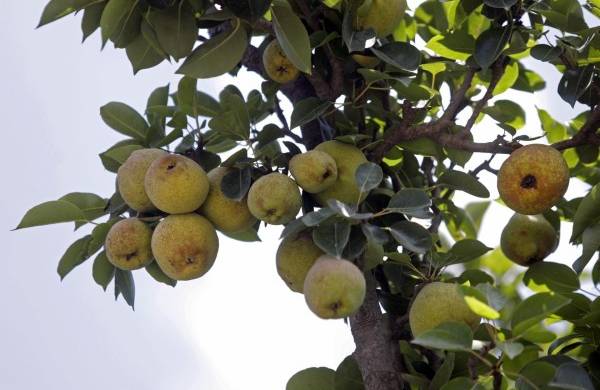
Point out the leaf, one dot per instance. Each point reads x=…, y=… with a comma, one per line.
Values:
x=332, y=237
x=444, y=373
x=157, y=274
x=461, y=383
x=74, y=256
x=114, y=157
x=368, y=176
x=477, y=302
x=314, y=218
x=545, y=52
x=218, y=55
x=120, y=22
x=103, y=271
x=235, y=184
x=412, y=236
x=307, y=110
x=411, y=201
x=466, y=250
x=291, y=35
x=401, y=55
x=124, y=119
x=320, y=378
x=572, y=376
x=450, y=336
x=591, y=244
x=464, y=182
x=249, y=235
x=248, y=9
x=56, y=211
x=555, y=131
x=506, y=4
x=175, y=28
x=56, y=9
x=507, y=112
x=574, y=83
x=490, y=44
x=354, y=40
x=557, y=277
x=125, y=286
x=142, y=55
x=587, y=214
x=510, y=348
x=348, y=375
x=90, y=21
x=534, y=309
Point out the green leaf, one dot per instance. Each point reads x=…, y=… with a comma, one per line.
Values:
x=103, y=271
x=218, y=55
x=411, y=201
x=57, y=9
x=477, y=302
x=348, y=375
x=248, y=9
x=120, y=22
x=444, y=373
x=534, y=309
x=332, y=237
x=124, y=119
x=157, y=274
x=587, y=214
x=461, y=383
x=450, y=336
x=557, y=277
x=308, y=110
x=572, y=375
x=74, y=256
x=545, y=52
x=99, y=236
x=466, y=250
x=114, y=157
x=507, y=112
x=464, y=182
x=490, y=44
x=510, y=348
x=537, y=373
x=506, y=4
x=90, y=21
x=124, y=285
x=574, y=83
x=412, y=236
x=250, y=235
x=368, y=176
x=401, y=55
x=175, y=28
x=591, y=244
x=56, y=211
x=291, y=35
x=142, y=55
x=235, y=184
x=555, y=131
x=320, y=378
x=458, y=45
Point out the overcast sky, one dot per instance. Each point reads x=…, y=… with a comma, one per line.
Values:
x=238, y=327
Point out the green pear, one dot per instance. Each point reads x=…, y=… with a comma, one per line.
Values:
x=437, y=303
x=383, y=16
x=127, y=244
x=130, y=178
x=227, y=215
x=274, y=199
x=314, y=171
x=347, y=159
x=185, y=246
x=527, y=239
x=295, y=256
x=176, y=184
x=334, y=288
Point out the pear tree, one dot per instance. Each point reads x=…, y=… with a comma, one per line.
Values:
x=398, y=115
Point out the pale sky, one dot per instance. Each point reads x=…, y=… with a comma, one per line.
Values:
x=238, y=327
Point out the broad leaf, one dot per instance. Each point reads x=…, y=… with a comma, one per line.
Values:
x=291, y=35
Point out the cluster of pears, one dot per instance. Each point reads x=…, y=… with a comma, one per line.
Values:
x=532, y=180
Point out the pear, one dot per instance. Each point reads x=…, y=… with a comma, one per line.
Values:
x=437, y=303
x=176, y=184
x=278, y=67
x=366, y=61
x=127, y=244
x=314, y=171
x=527, y=239
x=274, y=199
x=347, y=159
x=130, y=178
x=533, y=179
x=185, y=246
x=227, y=215
x=295, y=256
x=383, y=16
x=334, y=288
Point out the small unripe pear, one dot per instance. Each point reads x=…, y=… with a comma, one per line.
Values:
x=185, y=246
x=347, y=160
x=227, y=215
x=274, y=199
x=314, y=171
x=437, y=303
x=334, y=288
x=533, y=179
x=130, y=178
x=176, y=184
x=295, y=256
x=383, y=16
x=127, y=244
x=278, y=67
x=527, y=239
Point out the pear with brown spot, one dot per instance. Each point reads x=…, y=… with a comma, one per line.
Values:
x=185, y=246
x=278, y=67
x=131, y=175
x=275, y=199
x=127, y=244
x=314, y=171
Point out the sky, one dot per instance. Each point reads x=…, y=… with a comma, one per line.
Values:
x=238, y=327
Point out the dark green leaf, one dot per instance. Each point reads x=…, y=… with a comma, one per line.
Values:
x=120, y=22
x=450, y=336
x=56, y=9
x=506, y=4
x=401, y=55
x=142, y=55
x=308, y=110
x=91, y=18
x=312, y=379
x=534, y=309
x=572, y=376
x=444, y=373
x=103, y=271
x=412, y=236
x=56, y=211
x=124, y=119
x=175, y=29
x=235, y=184
x=411, y=201
x=157, y=274
x=348, y=375
x=332, y=237
x=557, y=277
x=464, y=182
x=291, y=35
x=587, y=214
x=74, y=256
x=466, y=250
x=248, y=9
x=368, y=176
x=490, y=44
x=545, y=52
x=574, y=83
x=124, y=285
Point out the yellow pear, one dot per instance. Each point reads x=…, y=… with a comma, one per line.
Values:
x=295, y=256
x=437, y=303
x=274, y=199
x=227, y=215
x=347, y=159
x=528, y=239
x=383, y=16
x=127, y=244
x=176, y=184
x=185, y=246
x=130, y=178
x=314, y=171
x=278, y=67
x=334, y=288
